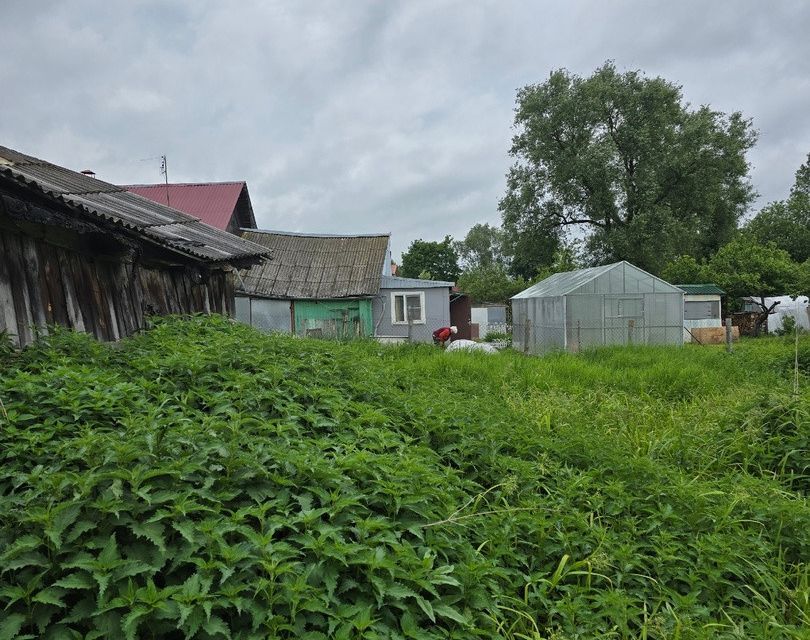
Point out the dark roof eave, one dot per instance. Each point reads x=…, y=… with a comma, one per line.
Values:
x=10, y=172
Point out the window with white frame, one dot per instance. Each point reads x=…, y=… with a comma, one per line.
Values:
x=408, y=307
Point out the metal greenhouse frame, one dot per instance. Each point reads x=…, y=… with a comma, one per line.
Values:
x=616, y=304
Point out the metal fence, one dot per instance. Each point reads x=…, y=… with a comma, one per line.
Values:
x=533, y=338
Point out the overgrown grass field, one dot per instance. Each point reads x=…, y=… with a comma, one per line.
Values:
x=202, y=480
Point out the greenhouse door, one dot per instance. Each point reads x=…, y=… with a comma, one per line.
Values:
x=624, y=319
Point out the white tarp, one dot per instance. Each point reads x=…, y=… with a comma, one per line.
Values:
x=470, y=345
x=798, y=308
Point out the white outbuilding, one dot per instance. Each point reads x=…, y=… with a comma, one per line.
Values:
x=702, y=308
x=615, y=304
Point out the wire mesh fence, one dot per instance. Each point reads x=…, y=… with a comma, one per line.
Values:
x=538, y=338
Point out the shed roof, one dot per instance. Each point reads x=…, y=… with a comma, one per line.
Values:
x=316, y=267
x=564, y=283
x=109, y=204
x=212, y=202
x=707, y=289
x=395, y=282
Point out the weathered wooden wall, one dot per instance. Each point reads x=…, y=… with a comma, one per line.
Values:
x=42, y=283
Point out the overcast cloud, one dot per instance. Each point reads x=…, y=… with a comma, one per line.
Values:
x=359, y=116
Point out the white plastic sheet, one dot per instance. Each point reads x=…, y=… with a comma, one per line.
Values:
x=799, y=309
x=470, y=345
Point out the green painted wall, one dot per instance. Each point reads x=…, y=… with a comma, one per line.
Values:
x=342, y=319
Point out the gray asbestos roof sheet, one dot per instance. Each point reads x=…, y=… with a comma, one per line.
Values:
x=315, y=267
x=155, y=222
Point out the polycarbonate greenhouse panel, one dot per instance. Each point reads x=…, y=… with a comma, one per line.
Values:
x=617, y=304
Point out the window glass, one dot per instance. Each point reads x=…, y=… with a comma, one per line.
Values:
x=414, y=307
x=699, y=310
x=399, y=308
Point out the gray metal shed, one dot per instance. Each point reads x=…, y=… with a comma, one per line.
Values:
x=612, y=304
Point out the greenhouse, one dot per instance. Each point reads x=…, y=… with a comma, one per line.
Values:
x=615, y=304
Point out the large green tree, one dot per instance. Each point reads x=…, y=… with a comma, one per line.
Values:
x=786, y=223
x=483, y=246
x=436, y=260
x=529, y=241
x=624, y=159
x=746, y=268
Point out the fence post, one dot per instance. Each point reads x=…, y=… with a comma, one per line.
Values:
x=729, y=336
x=410, y=330
x=579, y=336
x=630, y=325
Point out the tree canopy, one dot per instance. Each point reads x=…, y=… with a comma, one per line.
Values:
x=483, y=246
x=490, y=283
x=744, y=267
x=436, y=260
x=786, y=223
x=623, y=159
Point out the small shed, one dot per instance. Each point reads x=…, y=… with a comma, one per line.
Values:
x=702, y=307
x=314, y=285
x=410, y=309
x=460, y=314
x=488, y=318
x=613, y=304
x=85, y=254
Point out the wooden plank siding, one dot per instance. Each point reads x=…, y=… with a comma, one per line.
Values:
x=43, y=284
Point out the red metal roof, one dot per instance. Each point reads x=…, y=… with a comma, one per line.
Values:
x=214, y=202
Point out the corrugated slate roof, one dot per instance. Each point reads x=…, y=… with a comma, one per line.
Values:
x=212, y=202
x=315, y=267
x=706, y=289
x=395, y=282
x=158, y=223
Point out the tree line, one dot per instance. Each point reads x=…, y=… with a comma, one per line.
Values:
x=617, y=166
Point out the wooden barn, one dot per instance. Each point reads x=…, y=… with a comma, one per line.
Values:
x=86, y=254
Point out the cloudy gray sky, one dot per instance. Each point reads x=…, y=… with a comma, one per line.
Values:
x=357, y=116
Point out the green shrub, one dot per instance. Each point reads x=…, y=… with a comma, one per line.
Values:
x=202, y=480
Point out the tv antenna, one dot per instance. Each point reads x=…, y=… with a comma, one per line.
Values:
x=164, y=171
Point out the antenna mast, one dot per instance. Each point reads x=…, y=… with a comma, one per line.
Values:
x=164, y=170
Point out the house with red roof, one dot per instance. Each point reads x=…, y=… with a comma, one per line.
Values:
x=223, y=205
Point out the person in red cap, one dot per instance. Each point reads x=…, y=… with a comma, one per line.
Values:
x=443, y=334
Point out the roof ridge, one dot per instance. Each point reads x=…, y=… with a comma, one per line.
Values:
x=317, y=235
x=183, y=184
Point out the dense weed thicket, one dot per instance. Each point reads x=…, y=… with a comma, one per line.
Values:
x=204, y=481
